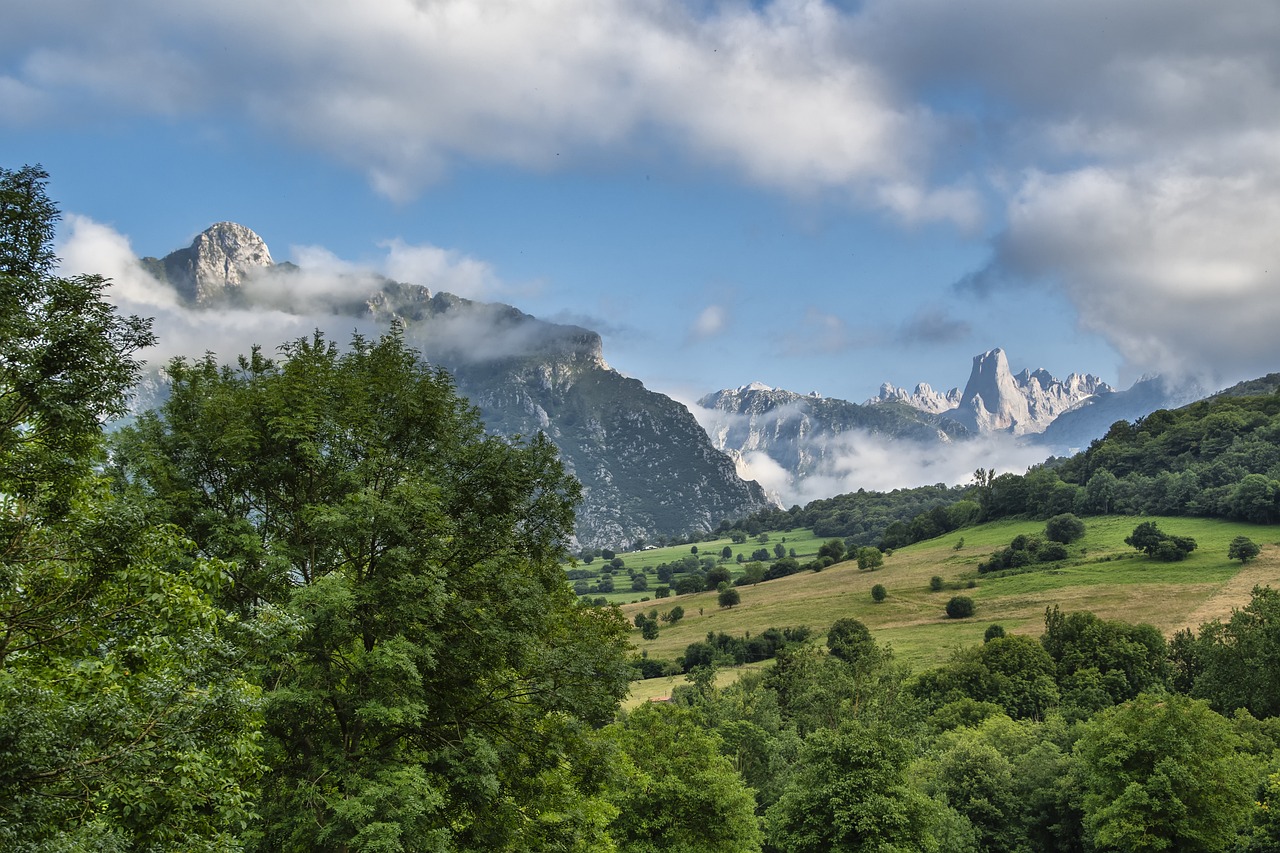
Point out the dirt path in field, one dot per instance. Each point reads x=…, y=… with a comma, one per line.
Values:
x=1264, y=570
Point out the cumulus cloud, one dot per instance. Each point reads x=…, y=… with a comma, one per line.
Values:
x=1178, y=269
x=403, y=90
x=1131, y=147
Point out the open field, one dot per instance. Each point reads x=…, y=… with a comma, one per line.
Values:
x=802, y=541
x=1103, y=575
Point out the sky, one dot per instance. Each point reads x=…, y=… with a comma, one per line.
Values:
x=819, y=196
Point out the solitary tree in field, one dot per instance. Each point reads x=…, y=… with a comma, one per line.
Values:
x=878, y=593
x=729, y=597
x=960, y=607
x=1242, y=548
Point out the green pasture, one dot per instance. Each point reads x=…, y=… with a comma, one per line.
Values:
x=801, y=540
x=1102, y=575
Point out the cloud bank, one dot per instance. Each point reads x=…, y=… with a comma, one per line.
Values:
x=1124, y=155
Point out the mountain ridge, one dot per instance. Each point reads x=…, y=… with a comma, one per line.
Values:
x=648, y=470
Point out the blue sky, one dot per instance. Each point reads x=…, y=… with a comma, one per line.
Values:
x=818, y=196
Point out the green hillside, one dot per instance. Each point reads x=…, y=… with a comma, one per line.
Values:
x=1103, y=575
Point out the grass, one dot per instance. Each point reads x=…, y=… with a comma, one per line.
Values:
x=1103, y=575
x=802, y=541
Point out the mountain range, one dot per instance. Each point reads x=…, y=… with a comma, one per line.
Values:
x=650, y=471
x=647, y=468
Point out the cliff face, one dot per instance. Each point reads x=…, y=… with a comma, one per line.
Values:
x=647, y=468
x=996, y=400
x=807, y=435
x=215, y=266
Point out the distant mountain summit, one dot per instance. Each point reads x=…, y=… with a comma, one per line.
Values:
x=216, y=264
x=647, y=468
x=923, y=398
x=996, y=400
x=808, y=435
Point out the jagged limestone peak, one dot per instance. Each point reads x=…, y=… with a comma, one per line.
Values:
x=217, y=262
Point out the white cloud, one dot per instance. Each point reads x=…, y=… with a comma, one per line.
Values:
x=87, y=247
x=1178, y=269
x=441, y=269
x=710, y=322
x=402, y=90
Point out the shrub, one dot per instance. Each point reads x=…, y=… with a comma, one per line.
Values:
x=1158, y=545
x=1051, y=551
x=1242, y=548
x=993, y=632
x=878, y=593
x=960, y=607
x=935, y=584
x=1064, y=528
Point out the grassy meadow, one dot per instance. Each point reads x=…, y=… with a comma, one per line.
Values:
x=1102, y=575
x=803, y=542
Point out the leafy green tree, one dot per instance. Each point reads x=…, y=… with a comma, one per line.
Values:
x=935, y=583
x=1242, y=548
x=850, y=641
x=1013, y=672
x=444, y=683
x=752, y=572
x=673, y=615
x=676, y=791
x=870, y=557
x=726, y=553
x=124, y=723
x=717, y=576
x=640, y=582
x=849, y=792
x=1255, y=499
x=1163, y=773
x=960, y=607
x=729, y=597
x=1011, y=780
x=833, y=548
x=1065, y=528
x=1237, y=664
x=993, y=632
x=1113, y=660
x=1155, y=543
x=879, y=593
x=67, y=359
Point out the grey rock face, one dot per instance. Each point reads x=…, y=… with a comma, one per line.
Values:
x=216, y=264
x=923, y=398
x=807, y=434
x=995, y=400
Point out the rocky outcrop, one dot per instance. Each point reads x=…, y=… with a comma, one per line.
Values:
x=216, y=264
x=647, y=468
x=996, y=400
x=923, y=398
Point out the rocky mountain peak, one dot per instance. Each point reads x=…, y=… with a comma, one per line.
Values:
x=996, y=400
x=923, y=398
x=217, y=263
